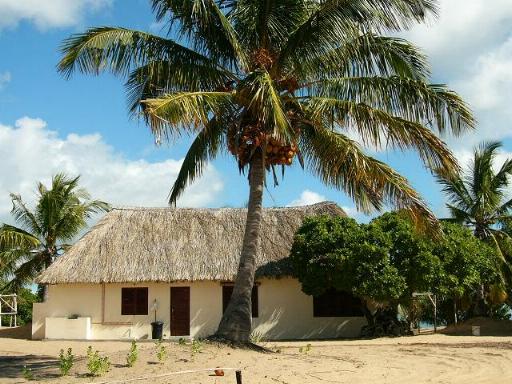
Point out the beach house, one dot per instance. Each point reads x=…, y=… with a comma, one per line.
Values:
x=177, y=266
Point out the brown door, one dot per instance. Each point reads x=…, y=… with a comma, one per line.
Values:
x=180, y=311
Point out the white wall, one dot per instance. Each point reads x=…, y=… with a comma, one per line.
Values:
x=284, y=311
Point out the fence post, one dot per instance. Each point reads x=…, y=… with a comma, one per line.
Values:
x=238, y=374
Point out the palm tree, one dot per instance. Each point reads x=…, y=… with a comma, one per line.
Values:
x=278, y=80
x=479, y=198
x=59, y=215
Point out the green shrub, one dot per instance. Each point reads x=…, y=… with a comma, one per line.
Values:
x=161, y=351
x=196, y=346
x=27, y=373
x=132, y=356
x=65, y=361
x=182, y=341
x=96, y=364
x=305, y=349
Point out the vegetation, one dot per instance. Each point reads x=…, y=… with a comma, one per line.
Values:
x=161, y=351
x=283, y=82
x=196, y=347
x=96, y=364
x=27, y=373
x=305, y=349
x=133, y=354
x=26, y=298
x=478, y=198
x=42, y=234
x=383, y=263
x=65, y=361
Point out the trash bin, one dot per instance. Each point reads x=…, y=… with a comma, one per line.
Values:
x=157, y=328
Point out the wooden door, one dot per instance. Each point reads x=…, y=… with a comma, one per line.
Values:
x=180, y=311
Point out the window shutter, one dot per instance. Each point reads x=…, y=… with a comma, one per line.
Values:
x=336, y=304
x=134, y=301
x=127, y=301
x=142, y=301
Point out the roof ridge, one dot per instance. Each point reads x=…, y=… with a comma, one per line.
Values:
x=134, y=208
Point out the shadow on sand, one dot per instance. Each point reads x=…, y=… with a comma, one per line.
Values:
x=43, y=367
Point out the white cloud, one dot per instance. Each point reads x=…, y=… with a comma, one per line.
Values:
x=5, y=78
x=30, y=152
x=470, y=48
x=47, y=13
x=490, y=83
x=307, y=197
x=464, y=30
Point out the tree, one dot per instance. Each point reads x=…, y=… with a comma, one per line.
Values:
x=468, y=263
x=42, y=233
x=478, y=199
x=338, y=253
x=274, y=81
x=385, y=262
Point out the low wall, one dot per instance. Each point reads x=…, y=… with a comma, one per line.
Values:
x=59, y=328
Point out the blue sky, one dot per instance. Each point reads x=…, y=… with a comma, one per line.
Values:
x=81, y=125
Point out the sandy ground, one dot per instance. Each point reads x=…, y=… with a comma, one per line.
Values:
x=420, y=359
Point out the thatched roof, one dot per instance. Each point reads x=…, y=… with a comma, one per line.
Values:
x=177, y=244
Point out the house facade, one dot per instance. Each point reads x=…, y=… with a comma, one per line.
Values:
x=177, y=266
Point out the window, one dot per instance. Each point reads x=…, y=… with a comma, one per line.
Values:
x=134, y=301
x=337, y=304
x=227, y=291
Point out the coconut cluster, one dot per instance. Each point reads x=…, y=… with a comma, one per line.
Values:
x=251, y=138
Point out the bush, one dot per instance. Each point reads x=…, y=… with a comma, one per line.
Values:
x=132, y=356
x=161, y=351
x=96, y=364
x=197, y=345
x=65, y=361
x=27, y=373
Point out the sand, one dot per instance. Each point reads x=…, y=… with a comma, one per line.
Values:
x=420, y=359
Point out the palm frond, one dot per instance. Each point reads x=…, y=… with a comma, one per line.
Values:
x=267, y=23
x=362, y=55
x=25, y=272
x=481, y=178
x=12, y=237
x=207, y=28
x=378, y=128
x=169, y=114
x=119, y=50
x=164, y=76
x=205, y=147
x=414, y=100
x=333, y=20
x=24, y=216
x=264, y=101
x=339, y=162
x=455, y=190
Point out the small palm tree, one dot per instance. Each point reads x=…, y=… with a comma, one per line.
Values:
x=60, y=214
x=478, y=197
x=280, y=82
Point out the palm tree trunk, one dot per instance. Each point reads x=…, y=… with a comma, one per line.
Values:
x=235, y=324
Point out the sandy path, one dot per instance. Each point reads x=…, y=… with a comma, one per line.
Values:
x=421, y=359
